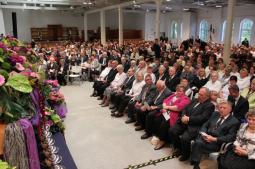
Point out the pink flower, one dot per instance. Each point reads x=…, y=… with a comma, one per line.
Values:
x=19, y=67
x=24, y=58
x=2, y=80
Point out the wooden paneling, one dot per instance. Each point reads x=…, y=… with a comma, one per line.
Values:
x=55, y=33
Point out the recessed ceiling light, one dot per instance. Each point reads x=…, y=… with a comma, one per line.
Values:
x=218, y=6
x=147, y=10
x=185, y=9
x=168, y=0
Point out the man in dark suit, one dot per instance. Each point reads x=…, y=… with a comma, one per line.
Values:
x=116, y=97
x=220, y=128
x=240, y=105
x=192, y=118
x=52, y=69
x=162, y=93
x=172, y=80
x=103, y=60
x=146, y=97
x=156, y=49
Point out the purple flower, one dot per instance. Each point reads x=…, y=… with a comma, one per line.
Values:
x=15, y=58
x=2, y=80
x=3, y=46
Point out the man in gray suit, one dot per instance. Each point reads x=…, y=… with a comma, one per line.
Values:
x=220, y=128
x=162, y=93
x=145, y=98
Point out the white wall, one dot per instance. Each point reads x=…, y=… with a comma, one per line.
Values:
x=150, y=21
x=131, y=20
x=216, y=17
x=27, y=19
x=2, y=28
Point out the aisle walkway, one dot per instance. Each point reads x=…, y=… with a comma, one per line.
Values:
x=98, y=141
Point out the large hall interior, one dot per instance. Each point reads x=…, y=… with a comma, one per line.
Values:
x=127, y=84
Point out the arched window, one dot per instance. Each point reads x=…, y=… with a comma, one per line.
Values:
x=223, y=31
x=181, y=32
x=174, y=30
x=203, y=30
x=246, y=29
x=224, y=27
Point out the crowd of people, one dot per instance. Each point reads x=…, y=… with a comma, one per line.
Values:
x=186, y=96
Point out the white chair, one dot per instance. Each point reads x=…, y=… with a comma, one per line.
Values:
x=74, y=74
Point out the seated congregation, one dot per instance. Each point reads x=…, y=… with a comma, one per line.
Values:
x=187, y=96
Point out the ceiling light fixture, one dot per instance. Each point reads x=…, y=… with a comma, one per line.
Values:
x=185, y=9
x=218, y=6
x=168, y=0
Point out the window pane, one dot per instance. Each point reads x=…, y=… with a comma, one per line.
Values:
x=174, y=30
x=203, y=31
x=246, y=29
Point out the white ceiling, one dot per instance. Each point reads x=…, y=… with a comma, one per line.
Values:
x=85, y=5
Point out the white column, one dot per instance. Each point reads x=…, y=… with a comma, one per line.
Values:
x=157, y=26
x=102, y=21
x=120, y=11
x=85, y=27
x=2, y=28
x=228, y=32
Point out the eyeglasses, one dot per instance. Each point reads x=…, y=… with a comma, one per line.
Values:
x=147, y=79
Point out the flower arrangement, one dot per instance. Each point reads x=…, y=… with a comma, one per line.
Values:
x=18, y=76
x=56, y=97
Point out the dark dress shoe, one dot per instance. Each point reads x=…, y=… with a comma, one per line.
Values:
x=113, y=114
x=137, y=123
x=139, y=128
x=183, y=158
x=114, y=110
x=176, y=153
x=119, y=115
x=99, y=98
x=112, y=107
x=130, y=121
x=145, y=136
x=196, y=166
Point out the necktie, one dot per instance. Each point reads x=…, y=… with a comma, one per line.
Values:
x=219, y=122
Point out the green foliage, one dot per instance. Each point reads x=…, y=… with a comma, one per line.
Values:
x=12, y=111
x=6, y=66
x=5, y=165
x=4, y=73
x=20, y=83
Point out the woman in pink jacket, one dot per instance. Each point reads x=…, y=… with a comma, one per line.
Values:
x=169, y=114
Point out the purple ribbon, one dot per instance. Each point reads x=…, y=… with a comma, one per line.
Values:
x=35, y=98
x=61, y=110
x=28, y=130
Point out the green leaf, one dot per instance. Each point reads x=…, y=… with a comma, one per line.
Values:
x=6, y=66
x=55, y=118
x=20, y=83
x=1, y=51
x=4, y=73
x=1, y=59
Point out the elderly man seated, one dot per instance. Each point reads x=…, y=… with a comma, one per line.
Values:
x=220, y=128
x=115, y=84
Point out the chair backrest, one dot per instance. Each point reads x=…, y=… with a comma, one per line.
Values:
x=76, y=69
